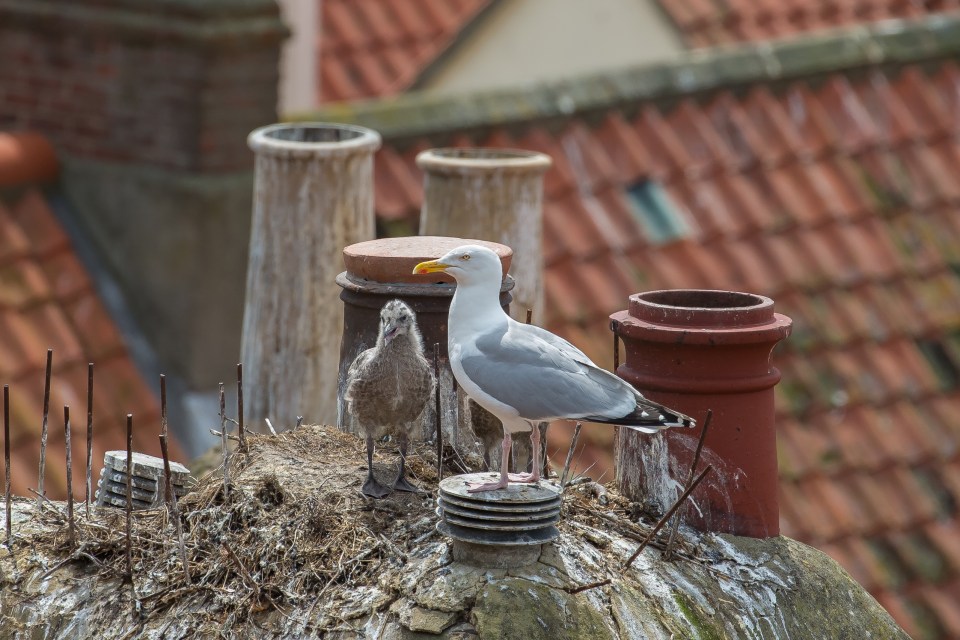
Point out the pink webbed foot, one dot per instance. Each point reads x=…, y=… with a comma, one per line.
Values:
x=525, y=478
x=475, y=487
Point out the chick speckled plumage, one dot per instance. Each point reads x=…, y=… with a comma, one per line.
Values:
x=387, y=388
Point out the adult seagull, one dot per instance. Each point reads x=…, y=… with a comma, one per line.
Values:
x=523, y=374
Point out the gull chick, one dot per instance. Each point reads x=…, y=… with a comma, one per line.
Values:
x=388, y=387
x=523, y=374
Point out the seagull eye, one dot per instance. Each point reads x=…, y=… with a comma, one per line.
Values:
x=465, y=256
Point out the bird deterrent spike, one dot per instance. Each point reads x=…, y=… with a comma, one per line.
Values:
x=43, y=428
x=171, y=498
x=225, y=445
x=436, y=406
x=163, y=404
x=240, y=430
x=129, y=510
x=6, y=462
x=66, y=443
x=89, y=486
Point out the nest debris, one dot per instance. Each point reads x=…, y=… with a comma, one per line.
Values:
x=294, y=531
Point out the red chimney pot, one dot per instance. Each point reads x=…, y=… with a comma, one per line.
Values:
x=695, y=350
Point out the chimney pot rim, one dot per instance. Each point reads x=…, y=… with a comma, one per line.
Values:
x=458, y=160
x=309, y=139
x=702, y=308
x=391, y=260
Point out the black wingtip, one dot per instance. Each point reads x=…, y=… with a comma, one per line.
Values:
x=649, y=416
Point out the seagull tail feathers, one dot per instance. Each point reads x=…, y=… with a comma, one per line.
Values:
x=649, y=417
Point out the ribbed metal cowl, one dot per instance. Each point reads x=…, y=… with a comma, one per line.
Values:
x=498, y=528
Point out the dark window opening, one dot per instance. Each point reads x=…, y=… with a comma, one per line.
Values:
x=655, y=210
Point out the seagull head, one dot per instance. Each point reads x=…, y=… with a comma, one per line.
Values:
x=396, y=319
x=468, y=264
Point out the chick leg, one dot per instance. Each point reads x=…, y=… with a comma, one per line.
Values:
x=401, y=483
x=371, y=487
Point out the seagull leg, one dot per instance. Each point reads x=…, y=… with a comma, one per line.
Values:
x=371, y=487
x=401, y=483
x=534, y=476
x=507, y=444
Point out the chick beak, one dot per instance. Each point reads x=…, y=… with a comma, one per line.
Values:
x=390, y=332
x=431, y=266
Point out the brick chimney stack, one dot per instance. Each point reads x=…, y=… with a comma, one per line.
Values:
x=149, y=105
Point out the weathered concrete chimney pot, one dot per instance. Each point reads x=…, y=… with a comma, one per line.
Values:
x=313, y=195
x=491, y=194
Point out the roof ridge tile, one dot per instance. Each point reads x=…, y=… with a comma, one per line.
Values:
x=890, y=43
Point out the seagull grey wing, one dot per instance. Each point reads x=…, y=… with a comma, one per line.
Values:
x=553, y=339
x=517, y=367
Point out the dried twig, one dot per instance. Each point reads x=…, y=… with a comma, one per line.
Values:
x=171, y=498
x=529, y=316
x=436, y=407
x=225, y=444
x=676, y=505
x=592, y=585
x=242, y=436
x=675, y=526
x=573, y=445
x=6, y=462
x=270, y=426
x=544, y=458
x=43, y=428
x=219, y=434
x=129, y=511
x=89, y=486
x=244, y=572
x=47, y=501
x=66, y=440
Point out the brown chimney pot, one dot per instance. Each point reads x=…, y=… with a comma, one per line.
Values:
x=695, y=350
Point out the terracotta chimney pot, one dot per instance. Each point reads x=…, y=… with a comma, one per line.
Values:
x=696, y=350
x=26, y=158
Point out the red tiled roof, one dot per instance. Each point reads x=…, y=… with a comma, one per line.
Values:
x=705, y=23
x=833, y=196
x=373, y=48
x=48, y=301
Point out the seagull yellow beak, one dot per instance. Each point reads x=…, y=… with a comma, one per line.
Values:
x=431, y=266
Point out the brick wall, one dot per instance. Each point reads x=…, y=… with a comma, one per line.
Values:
x=149, y=104
x=166, y=83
